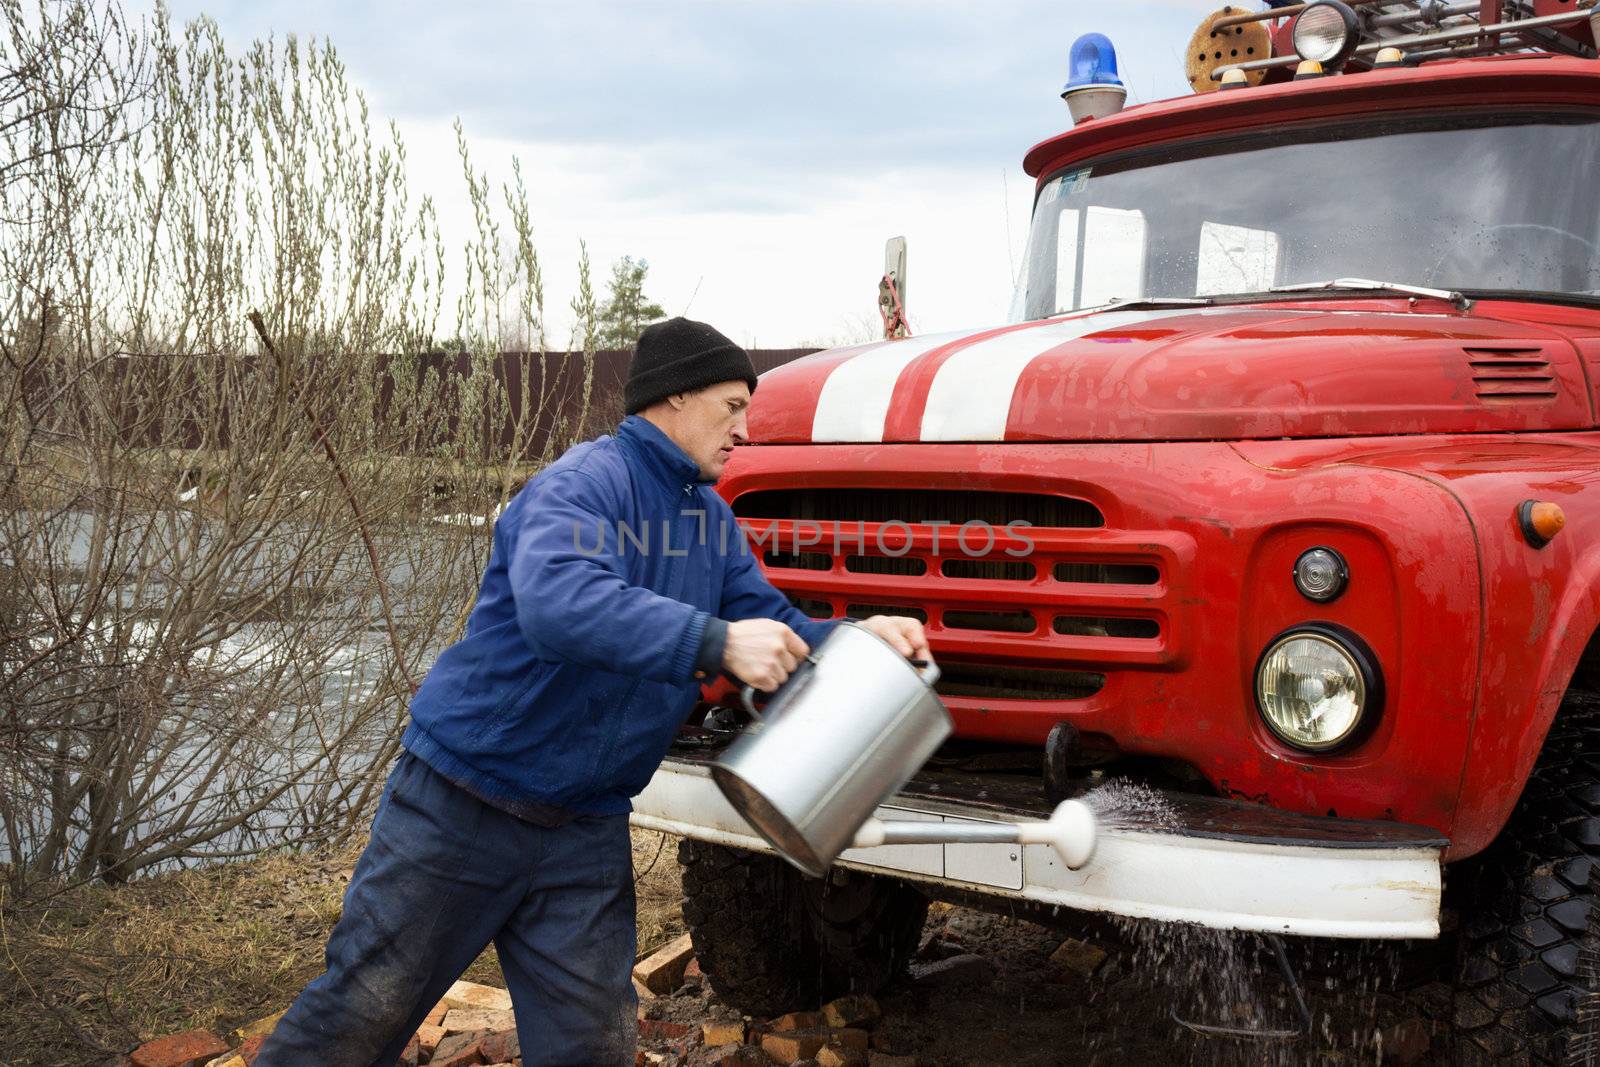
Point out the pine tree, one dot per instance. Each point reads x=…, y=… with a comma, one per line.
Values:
x=626, y=312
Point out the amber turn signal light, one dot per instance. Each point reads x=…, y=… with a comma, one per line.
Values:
x=1540, y=521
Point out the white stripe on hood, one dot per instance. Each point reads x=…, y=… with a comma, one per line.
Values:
x=971, y=394
x=854, y=400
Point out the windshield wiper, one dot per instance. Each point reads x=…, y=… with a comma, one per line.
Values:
x=1161, y=302
x=1460, y=300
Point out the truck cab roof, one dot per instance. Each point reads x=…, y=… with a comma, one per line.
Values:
x=1524, y=80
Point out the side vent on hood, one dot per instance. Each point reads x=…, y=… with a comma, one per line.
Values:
x=1511, y=375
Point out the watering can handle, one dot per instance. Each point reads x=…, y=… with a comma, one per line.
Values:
x=748, y=696
x=748, y=693
x=928, y=669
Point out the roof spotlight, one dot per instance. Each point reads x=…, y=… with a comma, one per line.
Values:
x=1326, y=31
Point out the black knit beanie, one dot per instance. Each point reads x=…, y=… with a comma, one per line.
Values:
x=680, y=356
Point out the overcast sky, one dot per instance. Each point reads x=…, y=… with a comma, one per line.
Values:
x=756, y=152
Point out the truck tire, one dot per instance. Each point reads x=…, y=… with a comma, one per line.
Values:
x=1527, y=989
x=771, y=940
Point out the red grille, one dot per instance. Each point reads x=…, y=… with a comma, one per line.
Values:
x=1037, y=613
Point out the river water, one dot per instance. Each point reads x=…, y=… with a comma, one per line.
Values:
x=290, y=708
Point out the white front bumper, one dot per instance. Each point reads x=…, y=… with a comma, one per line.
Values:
x=1337, y=888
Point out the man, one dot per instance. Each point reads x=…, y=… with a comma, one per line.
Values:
x=618, y=581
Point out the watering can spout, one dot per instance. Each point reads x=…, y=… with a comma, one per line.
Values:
x=1070, y=831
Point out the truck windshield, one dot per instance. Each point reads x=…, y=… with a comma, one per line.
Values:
x=1503, y=202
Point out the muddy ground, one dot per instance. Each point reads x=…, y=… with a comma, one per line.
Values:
x=1006, y=1001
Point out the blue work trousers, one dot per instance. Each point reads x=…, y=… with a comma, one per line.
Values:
x=445, y=874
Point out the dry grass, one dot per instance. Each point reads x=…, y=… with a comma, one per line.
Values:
x=98, y=969
x=659, y=892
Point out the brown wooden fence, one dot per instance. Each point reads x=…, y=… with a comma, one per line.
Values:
x=543, y=412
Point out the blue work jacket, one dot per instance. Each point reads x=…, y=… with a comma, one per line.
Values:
x=579, y=659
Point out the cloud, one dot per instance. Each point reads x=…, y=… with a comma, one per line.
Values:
x=756, y=152
x=710, y=87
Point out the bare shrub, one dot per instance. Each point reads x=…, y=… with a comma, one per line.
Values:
x=229, y=432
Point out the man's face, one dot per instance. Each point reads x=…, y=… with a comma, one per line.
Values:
x=710, y=422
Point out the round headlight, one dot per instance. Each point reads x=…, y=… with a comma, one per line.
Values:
x=1314, y=689
x=1326, y=31
x=1321, y=575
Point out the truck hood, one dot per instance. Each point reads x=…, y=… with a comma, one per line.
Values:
x=1224, y=373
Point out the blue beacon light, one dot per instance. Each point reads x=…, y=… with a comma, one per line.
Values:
x=1093, y=89
x=1093, y=62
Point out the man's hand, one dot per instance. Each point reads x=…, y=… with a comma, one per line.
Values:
x=762, y=652
x=906, y=635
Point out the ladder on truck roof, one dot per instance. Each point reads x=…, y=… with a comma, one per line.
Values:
x=1423, y=30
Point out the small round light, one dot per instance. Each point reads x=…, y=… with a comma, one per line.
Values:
x=1388, y=58
x=1308, y=69
x=1235, y=79
x=1326, y=31
x=1313, y=690
x=1321, y=575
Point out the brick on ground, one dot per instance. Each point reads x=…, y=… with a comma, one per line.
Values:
x=243, y=1056
x=791, y=1046
x=662, y=971
x=1079, y=957
x=832, y=1056
x=848, y=1037
x=798, y=1020
x=260, y=1028
x=737, y=1056
x=470, y=1058
x=723, y=1032
x=459, y=1050
x=465, y=1020
x=472, y=995
x=501, y=1046
x=429, y=1036
x=855, y=1010
x=193, y=1048
x=661, y=1029
x=436, y=1014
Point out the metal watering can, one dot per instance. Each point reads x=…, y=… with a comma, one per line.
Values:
x=847, y=730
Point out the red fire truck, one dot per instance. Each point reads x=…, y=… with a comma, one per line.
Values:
x=1280, y=493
